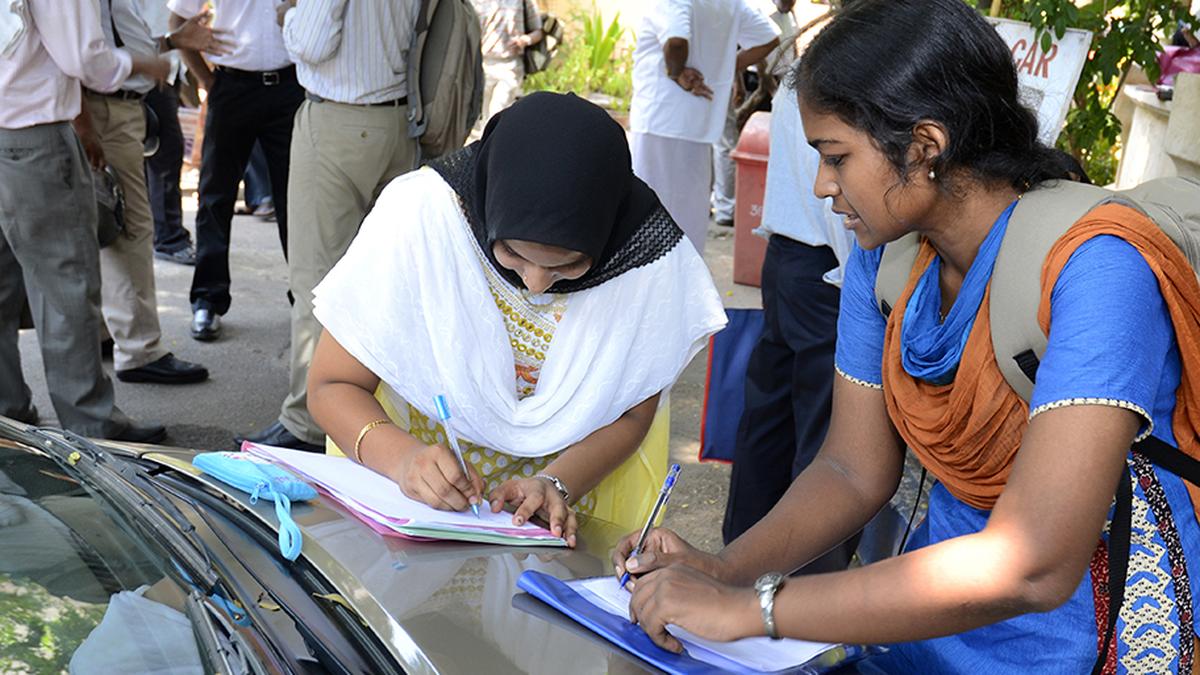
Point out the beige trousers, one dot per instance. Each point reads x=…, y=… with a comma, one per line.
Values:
x=127, y=292
x=342, y=157
x=501, y=87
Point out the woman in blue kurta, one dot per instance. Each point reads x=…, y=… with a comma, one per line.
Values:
x=914, y=108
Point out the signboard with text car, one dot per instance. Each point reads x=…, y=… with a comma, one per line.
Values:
x=1047, y=77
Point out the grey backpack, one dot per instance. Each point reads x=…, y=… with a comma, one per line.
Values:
x=445, y=76
x=1043, y=215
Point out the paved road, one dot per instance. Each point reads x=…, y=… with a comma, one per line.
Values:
x=249, y=368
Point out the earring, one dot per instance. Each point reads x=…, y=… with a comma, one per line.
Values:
x=932, y=175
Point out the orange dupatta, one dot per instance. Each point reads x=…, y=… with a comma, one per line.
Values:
x=967, y=433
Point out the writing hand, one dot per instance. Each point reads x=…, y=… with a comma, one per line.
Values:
x=662, y=548
x=431, y=474
x=695, y=602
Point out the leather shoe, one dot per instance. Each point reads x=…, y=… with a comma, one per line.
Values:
x=167, y=370
x=206, y=325
x=278, y=436
x=137, y=433
x=27, y=416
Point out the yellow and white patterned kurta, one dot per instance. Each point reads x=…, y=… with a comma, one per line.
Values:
x=531, y=321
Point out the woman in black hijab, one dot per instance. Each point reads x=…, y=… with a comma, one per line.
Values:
x=543, y=289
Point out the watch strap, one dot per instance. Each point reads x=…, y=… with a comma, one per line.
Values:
x=558, y=485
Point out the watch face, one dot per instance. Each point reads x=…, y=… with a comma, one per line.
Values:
x=767, y=581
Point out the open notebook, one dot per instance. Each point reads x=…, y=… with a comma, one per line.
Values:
x=380, y=503
x=600, y=604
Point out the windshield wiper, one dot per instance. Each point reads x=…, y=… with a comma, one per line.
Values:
x=224, y=649
x=127, y=488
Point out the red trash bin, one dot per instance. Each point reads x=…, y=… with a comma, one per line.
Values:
x=751, y=157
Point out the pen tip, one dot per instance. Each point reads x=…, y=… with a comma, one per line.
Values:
x=475, y=510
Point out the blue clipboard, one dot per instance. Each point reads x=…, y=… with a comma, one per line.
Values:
x=616, y=630
x=631, y=638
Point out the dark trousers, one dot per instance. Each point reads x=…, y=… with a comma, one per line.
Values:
x=789, y=388
x=162, y=173
x=243, y=108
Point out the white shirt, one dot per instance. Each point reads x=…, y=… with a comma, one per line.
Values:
x=252, y=28
x=61, y=46
x=136, y=36
x=351, y=52
x=790, y=209
x=714, y=30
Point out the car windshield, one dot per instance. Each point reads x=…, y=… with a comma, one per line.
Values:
x=80, y=591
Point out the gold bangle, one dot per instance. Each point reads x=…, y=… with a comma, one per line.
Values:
x=363, y=432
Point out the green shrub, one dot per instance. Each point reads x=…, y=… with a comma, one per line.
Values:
x=593, y=62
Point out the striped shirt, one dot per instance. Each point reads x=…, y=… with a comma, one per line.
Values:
x=351, y=52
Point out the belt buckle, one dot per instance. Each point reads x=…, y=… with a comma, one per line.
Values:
x=271, y=79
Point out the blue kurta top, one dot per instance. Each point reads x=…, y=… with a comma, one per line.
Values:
x=1111, y=342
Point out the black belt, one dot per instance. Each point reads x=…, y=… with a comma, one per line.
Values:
x=394, y=103
x=123, y=94
x=267, y=78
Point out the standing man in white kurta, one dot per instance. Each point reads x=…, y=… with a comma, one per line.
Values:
x=687, y=54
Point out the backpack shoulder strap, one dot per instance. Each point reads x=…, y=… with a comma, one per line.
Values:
x=894, y=269
x=1043, y=215
x=416, y=53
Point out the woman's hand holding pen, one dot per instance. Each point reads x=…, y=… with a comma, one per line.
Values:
x=431, y=474
x=537, y=496
x=663, y=548
x=694, y=601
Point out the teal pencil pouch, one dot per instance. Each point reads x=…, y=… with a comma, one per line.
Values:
x=260, y=478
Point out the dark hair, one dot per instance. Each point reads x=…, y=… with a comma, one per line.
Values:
x=883, y=66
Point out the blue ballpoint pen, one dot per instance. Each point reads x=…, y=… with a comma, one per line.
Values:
x=663, y=496
x=443, y=413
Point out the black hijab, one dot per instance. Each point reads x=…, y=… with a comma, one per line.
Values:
x=555, y=169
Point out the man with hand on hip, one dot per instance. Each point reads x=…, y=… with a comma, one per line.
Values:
x=252, y=96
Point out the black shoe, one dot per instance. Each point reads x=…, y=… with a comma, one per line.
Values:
x=167, y=370
x=278, y=436
x=725, y=222
x=182, y=256
x=136, y=433
x=206, y=325
x=27, y=416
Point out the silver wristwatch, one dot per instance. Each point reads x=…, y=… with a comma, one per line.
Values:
x=766, y=586
x=558, y=485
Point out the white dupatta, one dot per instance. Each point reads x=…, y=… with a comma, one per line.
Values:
x=410, y=301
